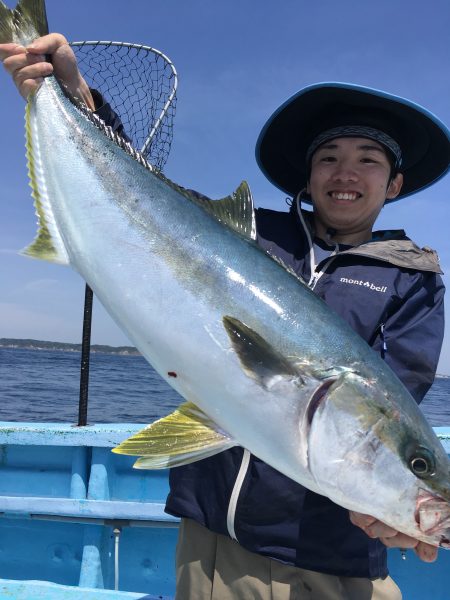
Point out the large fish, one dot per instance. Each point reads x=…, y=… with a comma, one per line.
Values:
x=261, y=361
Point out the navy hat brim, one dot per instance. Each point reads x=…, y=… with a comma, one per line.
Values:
x=285, y=138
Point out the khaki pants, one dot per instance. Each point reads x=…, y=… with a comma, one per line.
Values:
x=214, y=567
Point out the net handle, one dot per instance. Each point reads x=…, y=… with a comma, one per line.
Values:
x=88, y=301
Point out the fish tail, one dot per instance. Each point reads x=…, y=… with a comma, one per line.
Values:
x=24, y=23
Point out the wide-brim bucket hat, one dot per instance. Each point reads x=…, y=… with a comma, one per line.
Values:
x=285, y=138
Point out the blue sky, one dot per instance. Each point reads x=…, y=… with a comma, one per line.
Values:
x=237, y=61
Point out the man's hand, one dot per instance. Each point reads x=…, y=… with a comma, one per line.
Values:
x=392, y=538
x=28, y=67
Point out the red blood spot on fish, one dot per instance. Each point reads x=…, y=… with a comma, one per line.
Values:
x=171, y=374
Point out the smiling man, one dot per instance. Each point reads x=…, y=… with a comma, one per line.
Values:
x=350, y=182
x=247, y=531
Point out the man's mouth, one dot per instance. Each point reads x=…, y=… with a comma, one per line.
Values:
x=344, y=195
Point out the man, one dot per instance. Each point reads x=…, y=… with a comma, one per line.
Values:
x=346, y=150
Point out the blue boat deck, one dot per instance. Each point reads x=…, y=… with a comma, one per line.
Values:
x=71, y=509
x=43, y=590
x=79, y=521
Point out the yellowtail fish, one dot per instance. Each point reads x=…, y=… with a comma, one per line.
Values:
x=261, y=361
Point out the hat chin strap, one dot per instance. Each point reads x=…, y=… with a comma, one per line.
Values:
x=331, y=232
x=304, y=196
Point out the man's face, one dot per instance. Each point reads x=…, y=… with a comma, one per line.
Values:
x=349, y=183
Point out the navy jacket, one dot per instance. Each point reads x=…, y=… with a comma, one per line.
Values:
x=391, y=293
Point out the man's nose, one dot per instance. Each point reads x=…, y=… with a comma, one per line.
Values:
x=345, y=171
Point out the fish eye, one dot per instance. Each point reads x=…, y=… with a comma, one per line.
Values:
x=421, y=462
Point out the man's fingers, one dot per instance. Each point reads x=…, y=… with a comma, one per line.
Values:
x=426, y=552
x=17, y=62
x=10, y=49
x=400, y=540
x=380, y=530
x=376, y=529
x=28, y=86
x=48, y=44
x=28, y=66
x=361, y=520
x=38, y=70
x=62, y=57
x=26, y=70
x=391, y=537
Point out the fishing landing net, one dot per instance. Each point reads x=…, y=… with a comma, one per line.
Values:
x=140, y=84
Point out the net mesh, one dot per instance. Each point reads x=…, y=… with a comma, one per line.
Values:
x=140, y=84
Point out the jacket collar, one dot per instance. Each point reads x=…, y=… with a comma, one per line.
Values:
x=393, y=247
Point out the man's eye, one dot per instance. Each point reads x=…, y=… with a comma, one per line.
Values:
x=368, y=160
x=328, y=159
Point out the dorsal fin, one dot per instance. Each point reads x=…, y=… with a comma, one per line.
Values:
x=236, y=211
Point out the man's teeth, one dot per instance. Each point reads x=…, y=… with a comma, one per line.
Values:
x=345, y=195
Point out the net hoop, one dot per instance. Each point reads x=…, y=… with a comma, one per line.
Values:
x=166, y=111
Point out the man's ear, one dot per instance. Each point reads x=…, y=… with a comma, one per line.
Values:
x=394, y=186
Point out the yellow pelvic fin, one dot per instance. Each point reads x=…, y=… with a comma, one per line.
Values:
x=185, y=436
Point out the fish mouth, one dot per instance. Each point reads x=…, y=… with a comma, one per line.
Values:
x=318, y=398
x=433, y=517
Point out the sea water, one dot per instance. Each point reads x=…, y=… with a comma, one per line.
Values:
x=43, y=385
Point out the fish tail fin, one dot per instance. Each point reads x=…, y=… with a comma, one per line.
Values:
x=24, y=23
x=48, y=243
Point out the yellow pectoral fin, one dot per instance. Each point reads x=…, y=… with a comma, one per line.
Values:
x=184, y=436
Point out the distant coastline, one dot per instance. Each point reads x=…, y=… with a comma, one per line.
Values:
x=66, y=347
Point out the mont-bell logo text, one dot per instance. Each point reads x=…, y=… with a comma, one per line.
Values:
x=366, y=284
